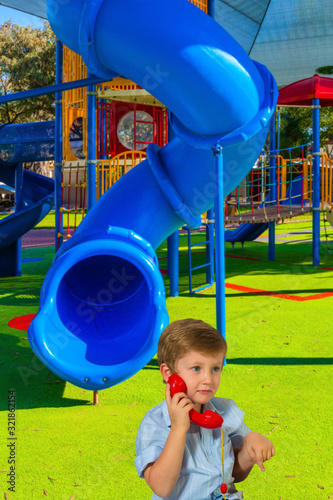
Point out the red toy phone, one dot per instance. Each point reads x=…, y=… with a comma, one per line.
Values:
x=209, y=419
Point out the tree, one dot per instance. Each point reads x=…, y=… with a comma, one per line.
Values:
x=27, y=61
x=296, y=129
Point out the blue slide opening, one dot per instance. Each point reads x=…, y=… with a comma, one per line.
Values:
x=103, y=299
x=102, y=310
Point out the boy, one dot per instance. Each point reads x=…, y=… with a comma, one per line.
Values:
x=178, y=459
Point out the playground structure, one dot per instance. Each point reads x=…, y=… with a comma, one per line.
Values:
x=293, y=185
x=276, y=188
x=112, y=169
x=279, y=187
x=250, y=203
x=113, y=246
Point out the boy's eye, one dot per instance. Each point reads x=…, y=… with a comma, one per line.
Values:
x=196, y=368
x=216, y=369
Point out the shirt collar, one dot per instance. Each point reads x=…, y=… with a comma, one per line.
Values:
x=210, y=406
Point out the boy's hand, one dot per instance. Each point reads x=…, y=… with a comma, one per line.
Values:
x=259, y=448
x=179, y=407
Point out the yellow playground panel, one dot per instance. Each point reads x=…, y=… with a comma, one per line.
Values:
x=110, y=171
x=74, y=102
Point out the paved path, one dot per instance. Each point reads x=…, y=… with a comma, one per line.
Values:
x=45, y=237
x=39, y=238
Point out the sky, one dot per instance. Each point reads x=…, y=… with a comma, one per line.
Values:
x=19, y=17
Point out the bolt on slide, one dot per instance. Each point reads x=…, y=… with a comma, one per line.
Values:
x=102, y=306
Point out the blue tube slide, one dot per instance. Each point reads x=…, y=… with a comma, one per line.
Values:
x=102, y=306
x=24, y=142
x=245, y=232
x=35, y=197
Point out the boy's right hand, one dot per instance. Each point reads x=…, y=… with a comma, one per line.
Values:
x=179, y=408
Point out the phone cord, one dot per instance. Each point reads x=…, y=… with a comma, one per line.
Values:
x=223, y=486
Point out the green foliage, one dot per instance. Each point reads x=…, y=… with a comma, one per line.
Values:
x=27, y=61
x=325, y=70
x=296, y=129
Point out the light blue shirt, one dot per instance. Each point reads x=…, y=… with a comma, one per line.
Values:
x=201, y=472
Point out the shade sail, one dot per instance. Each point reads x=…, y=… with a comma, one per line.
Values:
x=301, y=93
x=34, y=7
x=291, y=37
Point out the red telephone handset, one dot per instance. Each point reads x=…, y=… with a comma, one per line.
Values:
x=209, y=419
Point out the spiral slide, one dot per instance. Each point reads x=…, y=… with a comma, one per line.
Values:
x=102, y=305
x=34, y=193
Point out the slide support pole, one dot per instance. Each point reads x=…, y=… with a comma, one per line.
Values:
x=18, y=200
x=58, y=149
x=91, y=145
x=211, y=8
x=316, y=182
x=210, y=246
x=272, y=187
x=219, y=241
x=173, y=263
x=173, y=244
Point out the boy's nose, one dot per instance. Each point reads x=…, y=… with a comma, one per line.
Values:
x=207, y=378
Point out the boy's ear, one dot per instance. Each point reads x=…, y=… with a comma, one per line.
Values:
x=165, y=371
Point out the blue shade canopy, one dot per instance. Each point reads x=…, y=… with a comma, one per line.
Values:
x=291, y=37
x=35, y=7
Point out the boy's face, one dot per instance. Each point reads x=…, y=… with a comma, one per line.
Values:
x=201, y=374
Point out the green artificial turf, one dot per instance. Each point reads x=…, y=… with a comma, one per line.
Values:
x=278, y=371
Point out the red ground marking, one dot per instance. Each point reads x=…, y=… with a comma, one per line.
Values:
x=238, y=257
x=279, y=295
x=327, y=268
x=21, y=322
x=163, y=271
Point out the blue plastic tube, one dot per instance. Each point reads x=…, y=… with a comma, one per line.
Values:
x=24, y=142
x=102, y=305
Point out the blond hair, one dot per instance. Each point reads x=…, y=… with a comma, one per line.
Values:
x=186, y=335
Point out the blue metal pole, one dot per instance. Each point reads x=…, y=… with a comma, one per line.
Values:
x=272, y=187
x=91, y=145
x=58, y=150
x=279, y=129
x=102, y=124
x=316, y=182
x=18, y=199
x=173, y=245
x=173, y=263
x=52, y=89
x=219, y=241
x=210, y=247
x=210, y=213
x=211, y=8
